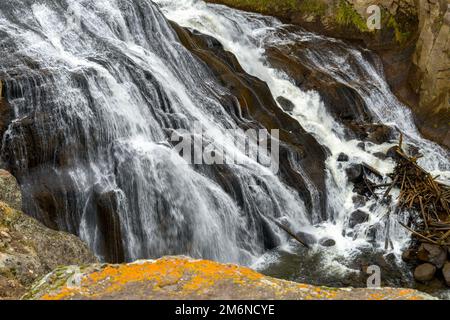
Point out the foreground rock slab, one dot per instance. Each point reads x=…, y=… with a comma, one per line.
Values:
x=185, y=278
x=29, y=250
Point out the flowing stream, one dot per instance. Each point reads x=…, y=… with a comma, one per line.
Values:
x=98, y=86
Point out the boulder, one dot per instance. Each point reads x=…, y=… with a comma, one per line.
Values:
x=28, y=250
x=432, y=253
x=180, y=278
x=424, y=272
x=446, y=273
x=380, y=134
x=359, y=200
x=354, y=173
x=342, y=157
x=380, y=155
x=358, y=217
x=409, y=255
x=361, y=145
x=327, y=242
x=286, y=104
x=307, y=238
x=392, y=153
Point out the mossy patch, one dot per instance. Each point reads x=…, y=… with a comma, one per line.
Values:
x=315, y=7
x=346, y=15
x=400, y=36
x=261, y=6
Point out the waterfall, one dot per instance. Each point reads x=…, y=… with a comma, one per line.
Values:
x=248, y=36
x=97, y=88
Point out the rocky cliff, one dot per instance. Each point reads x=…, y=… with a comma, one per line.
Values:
x=430, y=75
x=28, y=250
x=185, y=278
x=412, y=42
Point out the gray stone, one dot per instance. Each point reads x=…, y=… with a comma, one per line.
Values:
x=424, y=272
x=286, y=104
x=358, y=217
x=327, y=242
x=446, y=273
x=342, y=157
x=307, y=238
x=354, y=173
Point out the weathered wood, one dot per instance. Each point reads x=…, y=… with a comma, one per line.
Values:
x=289, y=232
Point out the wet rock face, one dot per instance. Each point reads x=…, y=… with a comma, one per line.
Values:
x=342, y=101
x=5, y=116
x=28, y=250
x=184, y=278
x=258, y=106
x=430, y=72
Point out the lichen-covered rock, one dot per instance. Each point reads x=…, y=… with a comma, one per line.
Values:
x=185, y=278
x=10, y=192
x=29, y=250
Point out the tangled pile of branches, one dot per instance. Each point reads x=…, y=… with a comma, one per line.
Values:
x=423, y=194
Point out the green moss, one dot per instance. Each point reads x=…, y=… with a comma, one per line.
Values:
x=347, y=16
x=400, y=36
x=315, y=7
x=262, y=6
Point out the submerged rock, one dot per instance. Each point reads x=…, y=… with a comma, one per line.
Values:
x=342, y=157
x=354, y=173
x=424, y=272
x=307, y=238
x=327, y=242
x=380, y=155
x=180, y=278
x=286, y=104
x=358, y=217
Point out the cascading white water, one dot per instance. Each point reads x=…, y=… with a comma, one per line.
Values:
x=247, y=35
x=112, y=80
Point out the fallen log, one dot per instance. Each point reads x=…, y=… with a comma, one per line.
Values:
x=289, y=232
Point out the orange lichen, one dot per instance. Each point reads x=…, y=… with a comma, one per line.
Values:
x=180, y=278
